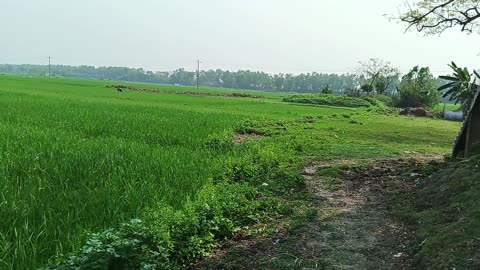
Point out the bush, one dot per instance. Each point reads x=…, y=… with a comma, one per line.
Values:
x=327, y=90
x=132, y=246
x=263, y=165
x=417, y=89
x=386, y=100
x=368, y=88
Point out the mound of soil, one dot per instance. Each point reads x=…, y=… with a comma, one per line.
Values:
x=190, y=93
x=418, y=112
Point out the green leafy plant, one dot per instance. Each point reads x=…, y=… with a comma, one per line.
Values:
x=417, y=89
x=462, y=86
x=132, y=246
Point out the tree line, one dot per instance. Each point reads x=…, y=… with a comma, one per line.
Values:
x=242, y=79
x=374, y=76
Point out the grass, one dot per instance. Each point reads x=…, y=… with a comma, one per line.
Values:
x=449, y=217
x=76, y=157
x=448, y=106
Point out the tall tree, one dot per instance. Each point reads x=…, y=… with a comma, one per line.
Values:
x=418, y=89
x=378, y=75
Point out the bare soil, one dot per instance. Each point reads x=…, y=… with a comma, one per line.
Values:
x=356, y=227
x=190, y=93
x=241, y=138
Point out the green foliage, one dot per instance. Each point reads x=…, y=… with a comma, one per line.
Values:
x=329, y=100
x=242, y=79
x=216, y=214
x=132, y=246
x=171, y=239
x=461, y=88
x=327, y=90
x=367, y=88
x=352, y=92
x=260, y=127
x=341, y=100
x=375, y=100
x=382, y=84
x=386, y=100
x=263, y=167
x=220, y=142
x=417, y=89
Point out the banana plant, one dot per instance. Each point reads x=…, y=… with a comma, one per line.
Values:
x=462, y=86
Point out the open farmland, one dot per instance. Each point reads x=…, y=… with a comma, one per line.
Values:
x=77, y=157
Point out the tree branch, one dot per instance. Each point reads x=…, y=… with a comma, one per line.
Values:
x=437, y=18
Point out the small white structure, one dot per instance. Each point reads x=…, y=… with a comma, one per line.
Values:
x=454, y=116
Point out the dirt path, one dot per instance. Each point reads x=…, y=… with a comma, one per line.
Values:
x=356, y=228
x=357, y=225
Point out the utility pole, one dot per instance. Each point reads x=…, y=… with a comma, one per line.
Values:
x=49, y=66
x=198, y=72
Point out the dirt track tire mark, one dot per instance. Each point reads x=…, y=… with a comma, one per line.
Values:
x=356, y=228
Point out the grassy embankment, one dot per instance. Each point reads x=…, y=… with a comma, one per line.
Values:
x=448, y=216
x=77, y=157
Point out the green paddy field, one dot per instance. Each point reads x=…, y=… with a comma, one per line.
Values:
x=77, y=157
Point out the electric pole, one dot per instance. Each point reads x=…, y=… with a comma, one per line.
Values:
x=198, y=72
x=49, y=68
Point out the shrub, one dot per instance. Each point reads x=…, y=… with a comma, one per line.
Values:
x=132, y=246
x=386, y=100
x=417, y=89
x=327, y=90
x=368, y=88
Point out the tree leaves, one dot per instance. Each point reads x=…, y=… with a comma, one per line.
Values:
x=461, y=88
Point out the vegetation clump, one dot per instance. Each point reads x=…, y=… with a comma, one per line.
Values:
x=417, y=89
x=328, y=100
x=169, y=238
x=461, y=87
x=340, y=100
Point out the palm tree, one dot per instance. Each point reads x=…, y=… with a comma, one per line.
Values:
x=461, y=88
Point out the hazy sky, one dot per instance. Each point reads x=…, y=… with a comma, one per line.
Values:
x=270, y=35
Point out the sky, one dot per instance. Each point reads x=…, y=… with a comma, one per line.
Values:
x=325, y=36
